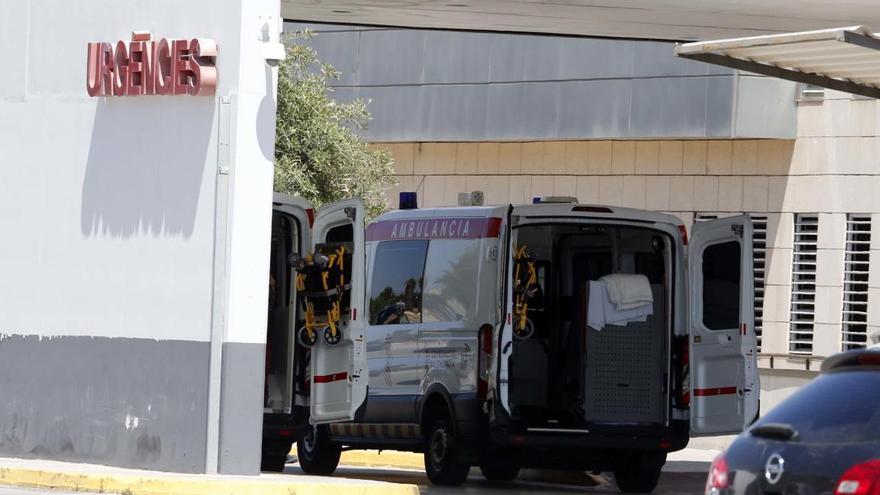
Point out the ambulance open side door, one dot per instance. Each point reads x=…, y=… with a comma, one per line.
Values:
x=723, y=347
x=339, y=371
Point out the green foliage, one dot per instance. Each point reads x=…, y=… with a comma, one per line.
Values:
x=318, y=154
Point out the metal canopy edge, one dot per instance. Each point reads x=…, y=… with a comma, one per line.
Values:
x=804, y=66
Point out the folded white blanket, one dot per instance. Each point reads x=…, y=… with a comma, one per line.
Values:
x=601, y=311
x=628, y=291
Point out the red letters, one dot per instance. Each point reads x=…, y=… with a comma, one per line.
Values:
x=145, y=67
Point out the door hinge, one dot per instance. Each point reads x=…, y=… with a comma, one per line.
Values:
x=737, y=230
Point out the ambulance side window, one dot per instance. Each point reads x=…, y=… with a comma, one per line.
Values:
x=451, y=283
x=721, y=266
x=397, y=280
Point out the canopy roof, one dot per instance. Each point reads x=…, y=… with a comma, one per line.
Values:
x=845, y=59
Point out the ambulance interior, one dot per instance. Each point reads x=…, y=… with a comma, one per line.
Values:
x=287, y=362
x=569, y=374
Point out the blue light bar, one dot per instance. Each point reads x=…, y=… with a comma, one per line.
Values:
x=409, y=201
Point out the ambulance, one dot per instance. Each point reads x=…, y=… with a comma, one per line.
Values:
x=551, y=335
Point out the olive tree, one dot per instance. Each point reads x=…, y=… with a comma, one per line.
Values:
x=318, y=153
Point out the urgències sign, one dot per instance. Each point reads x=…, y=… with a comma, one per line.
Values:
x=145, y=67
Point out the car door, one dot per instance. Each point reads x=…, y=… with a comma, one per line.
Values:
x=723, y=346
x=339, y=377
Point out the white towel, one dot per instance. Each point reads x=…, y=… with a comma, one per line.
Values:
x=601, y=311
x=628, y=291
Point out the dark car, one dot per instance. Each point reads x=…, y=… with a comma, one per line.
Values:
x=823, y=439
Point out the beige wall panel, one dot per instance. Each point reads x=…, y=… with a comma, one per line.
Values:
x=520, y=189
x=634, y=191
x=611, y=190
x=730, y=194
x=705, y=193
x=865, y=112
x=554, y=157
x=542, y=185
x=755, y=193
x=600, y=156
x=874, y=270
x=821, y=155
x=403, y=154
x=467, y=158
x=454, y=184
x=778, y=266
x=435, y=191
x=806, y=193
x=854, y=194
x=832, y=231
x=647, y=157
x=533, y=158
x=829, y=267
x=844, y=121
x=719, y=157
x=487, y=160
x=845, y=158
x=695, y=155
x=510, y=161
x=873, y=307
x=564, y=185
x=423, y=158
x=588, y=189
x=444, y=158
x=681, y=193
x=867, y=156
x=826, y=339
x=776, y=303
x=671, y=157
x=770, y=152
x=776, y=189
x=745, y=157
x=810, y=119
x=782, y=235
x=657, y=193
x=577, y=155
x=775, y=338
x=498, y=190
x=800, y=157
x=829, y=303
x=623, y=159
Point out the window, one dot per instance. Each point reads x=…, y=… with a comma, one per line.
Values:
x=803, y=284
x=854, y=316
x=396, y=285
x=721, y=288
x=451, y=280
x=759, y=265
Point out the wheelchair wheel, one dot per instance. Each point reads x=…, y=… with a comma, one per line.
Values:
x=331, y=339
x=305, y=338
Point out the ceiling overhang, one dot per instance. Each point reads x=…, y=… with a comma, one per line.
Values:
x=844, y=59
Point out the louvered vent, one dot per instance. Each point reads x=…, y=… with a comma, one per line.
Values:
x=854, y=315
x=803, y=284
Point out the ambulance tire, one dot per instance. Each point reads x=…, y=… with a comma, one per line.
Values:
x=274, y=455
x=637, y=477
x=499, y=472
x=442, y=462
x=316, y=453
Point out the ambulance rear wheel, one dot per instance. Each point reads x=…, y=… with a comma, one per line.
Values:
x=316, y=453
x=499, y=472
x=442, y=462
x=274, y=455
x=640, y=475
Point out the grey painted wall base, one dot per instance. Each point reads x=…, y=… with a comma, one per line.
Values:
x=241, y=408
x=124, y=402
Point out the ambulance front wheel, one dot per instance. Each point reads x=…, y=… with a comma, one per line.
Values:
x=331, y=337
x=315, y=452
x=306, y=338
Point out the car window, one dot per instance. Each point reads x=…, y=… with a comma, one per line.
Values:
x=451, y=280
x=396, y=284
x=721, y=265
x=840, y=407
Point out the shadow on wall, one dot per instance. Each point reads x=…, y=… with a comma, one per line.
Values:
x=146, y=163
x=266, y=118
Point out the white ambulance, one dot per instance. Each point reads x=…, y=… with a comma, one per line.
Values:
x=552, y=335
